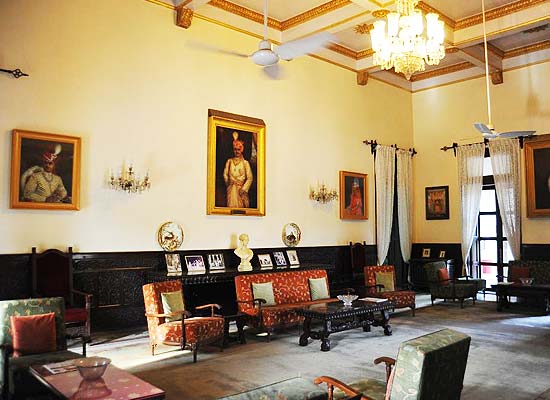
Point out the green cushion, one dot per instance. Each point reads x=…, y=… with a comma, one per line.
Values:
x=375, y=389
x=172, y=302
x=264, y=291
x=318, y=288
x=386, y=279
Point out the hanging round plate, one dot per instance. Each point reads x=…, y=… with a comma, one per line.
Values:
x=170, y=236
x=291, y=234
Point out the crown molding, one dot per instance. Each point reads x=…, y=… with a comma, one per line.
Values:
x=314, y=13
x=441, y=71
x=497, y=13
x=527, y=49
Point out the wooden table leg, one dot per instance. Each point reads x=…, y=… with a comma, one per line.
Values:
x=307, y=330
x=325, y=341
x=385, y=323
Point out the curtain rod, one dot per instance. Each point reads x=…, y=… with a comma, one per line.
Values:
x=455, y=145
x=374, y=143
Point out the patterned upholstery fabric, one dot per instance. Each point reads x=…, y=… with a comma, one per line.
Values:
x=539, y=270
x=290, y=389
x=18, y=375
x=198, y=330
x=431, y=366
x=291, y=291
x=457, y=289
x=401, y=298
x=373, y=388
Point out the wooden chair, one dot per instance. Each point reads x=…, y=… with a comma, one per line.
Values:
x=358, y=260
x=188, y=332
x=399, y=297
x=52, y=276
x=428, y=367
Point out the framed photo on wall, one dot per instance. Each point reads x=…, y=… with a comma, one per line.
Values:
x=537, y=175
x=45, y=171
x=426, y=253
x=353, y=195
x=437, y=202
x=236, y=164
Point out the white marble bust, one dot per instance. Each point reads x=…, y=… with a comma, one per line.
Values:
x=244, y=253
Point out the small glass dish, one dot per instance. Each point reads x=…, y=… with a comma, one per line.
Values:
x=526, y=281
x=347, y=299
x=91, y=368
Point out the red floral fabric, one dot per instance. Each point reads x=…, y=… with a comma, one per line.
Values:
x=197, y=330
x=290, y=289
x=400, y=298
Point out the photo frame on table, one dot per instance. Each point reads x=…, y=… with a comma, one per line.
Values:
x=173, y=264
x=537, y=175
x=45, y=171
x=280, y=260
x=437, y=202
x=194, y=263
x=292, y=257
x=442, y=254
x=215, y=261
x=426, y=253
x=265, y=261
x=236, y=164
x=353, y=195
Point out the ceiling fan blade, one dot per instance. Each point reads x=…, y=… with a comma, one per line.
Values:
x=299, y=47
x=483, y=128
x=515, y=134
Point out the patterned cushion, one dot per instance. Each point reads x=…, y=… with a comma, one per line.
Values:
x=290, y=389
x=374, y=389
x=403, y=298
x=385, y=279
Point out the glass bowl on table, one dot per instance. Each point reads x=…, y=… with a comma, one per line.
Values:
x=92, y=367
x=347, y=299
x=526, y=281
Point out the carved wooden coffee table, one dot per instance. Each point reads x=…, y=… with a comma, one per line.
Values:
x=336, y=317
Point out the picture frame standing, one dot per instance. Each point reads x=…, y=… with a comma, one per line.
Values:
x=353, y=196
x=265, y=261
x=195, y=264
x=537, y=176
x=45, y=171
x=280, y=260
x=236, y=164
x=173, y=264
x=437, y=202
x=292, y=257
x=216, y=261
x=426, y=253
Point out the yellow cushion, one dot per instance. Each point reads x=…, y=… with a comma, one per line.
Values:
x=172, y=302
x=386, y=279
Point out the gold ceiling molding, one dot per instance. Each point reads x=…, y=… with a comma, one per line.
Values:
x=343, y=50
x=162, y=3
x=429, y=9
x=380, y=13
x=441, y=71
x=363, y=29
x=497, y=13
x=245, y=13
x=527, y=49
x=365, y=53
x=451, y=50
x=314, y=13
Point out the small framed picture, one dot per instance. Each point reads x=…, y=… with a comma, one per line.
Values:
x=442, y=254
x=280, y=260
x=292, y=257
x=173, y=264
x=265, y=260
x=426, y=253
x=194, y=263
x=215, y=261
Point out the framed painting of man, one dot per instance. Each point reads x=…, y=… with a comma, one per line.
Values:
x=537, y=176
x=437, y=202
x=236, y=165
x=45, y=171
x=353, y=195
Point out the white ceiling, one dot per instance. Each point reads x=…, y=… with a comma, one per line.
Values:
x=507, y=22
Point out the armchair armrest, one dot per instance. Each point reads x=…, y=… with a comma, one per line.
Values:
x=332, y=383
x=87, y=298
x=390, y=362
x=183, y=314
x=211, y=306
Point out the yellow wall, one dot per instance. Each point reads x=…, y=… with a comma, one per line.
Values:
x=134, y=86
x=445, y=115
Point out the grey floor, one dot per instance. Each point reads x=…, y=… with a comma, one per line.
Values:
x=509, y=355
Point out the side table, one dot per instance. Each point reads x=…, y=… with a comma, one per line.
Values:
x=240, y=320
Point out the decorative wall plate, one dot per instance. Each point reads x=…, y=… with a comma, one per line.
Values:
x=170, y=236
x=291, y=234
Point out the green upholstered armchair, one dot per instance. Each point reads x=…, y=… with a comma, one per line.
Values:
x=445, y=288
x=428, y=367
x=15, y=380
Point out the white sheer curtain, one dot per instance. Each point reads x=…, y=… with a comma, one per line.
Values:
x=404, y=201
x=506, y=170
x=470, y=183
x=384, y=167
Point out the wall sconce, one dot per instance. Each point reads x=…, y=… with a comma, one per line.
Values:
x=322, y=194
x=129, y=182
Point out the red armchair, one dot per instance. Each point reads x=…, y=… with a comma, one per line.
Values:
x=189, y=332
x=400, y=298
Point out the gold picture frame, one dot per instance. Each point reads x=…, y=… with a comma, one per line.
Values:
x=537, y=176
x=45, y=171
x=236, y=165
x=353, y=195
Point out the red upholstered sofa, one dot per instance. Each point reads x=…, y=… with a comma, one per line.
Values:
x=291, y=291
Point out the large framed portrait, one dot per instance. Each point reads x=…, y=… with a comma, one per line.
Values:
x=353, y=195
x=437, y=202
x=45, y=171
x=236, y=165
x=537, y=175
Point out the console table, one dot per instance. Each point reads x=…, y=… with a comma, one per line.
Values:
x=504, y=289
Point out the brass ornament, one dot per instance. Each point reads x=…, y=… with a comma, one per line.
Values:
x=170, y=236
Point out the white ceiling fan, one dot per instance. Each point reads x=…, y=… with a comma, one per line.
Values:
x=488, y=130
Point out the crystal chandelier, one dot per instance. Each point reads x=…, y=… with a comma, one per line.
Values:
x=129, y=182
x=403, y=45
x=322, y=194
